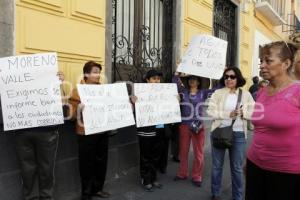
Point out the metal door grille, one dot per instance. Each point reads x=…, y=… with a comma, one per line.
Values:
x=142, y=38
x=225, y=27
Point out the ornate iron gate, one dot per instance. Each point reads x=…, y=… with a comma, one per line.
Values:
x=225, y=27
x=142, y=38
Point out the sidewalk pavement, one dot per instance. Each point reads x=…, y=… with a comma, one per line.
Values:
x=127, y=186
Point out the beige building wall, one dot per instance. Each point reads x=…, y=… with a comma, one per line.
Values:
x=197, y=18
x=75, y=29
x=246, y=41
x=254, y=29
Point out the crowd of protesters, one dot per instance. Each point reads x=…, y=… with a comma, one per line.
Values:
x=271, y=164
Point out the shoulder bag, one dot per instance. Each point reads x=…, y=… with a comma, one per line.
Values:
x=222, y=138
x=196, y=125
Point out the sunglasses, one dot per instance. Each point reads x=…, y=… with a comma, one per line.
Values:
x=232, y=77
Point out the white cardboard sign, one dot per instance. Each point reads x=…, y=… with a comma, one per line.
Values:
x=106, y=107
x=205, y=56
x=157, y=103
x=30, y=91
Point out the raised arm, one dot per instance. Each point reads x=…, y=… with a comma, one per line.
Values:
x=176, y=79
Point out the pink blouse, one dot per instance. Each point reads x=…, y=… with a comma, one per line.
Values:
x=276, y=140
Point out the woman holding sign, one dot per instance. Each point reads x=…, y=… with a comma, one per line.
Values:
x=191, y=129
x=93, y=149
x=36, y=150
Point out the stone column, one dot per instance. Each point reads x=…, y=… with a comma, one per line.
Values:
x=10, y=180
x=7, y=27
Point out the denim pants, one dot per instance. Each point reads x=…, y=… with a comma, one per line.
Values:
x=236, y=156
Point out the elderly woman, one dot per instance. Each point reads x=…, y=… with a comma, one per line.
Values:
x=273, y=159
x=93, y=149
x=222, y=108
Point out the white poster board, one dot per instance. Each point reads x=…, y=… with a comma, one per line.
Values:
x=106, y=107
x=205, y=56
x=30, y=91
x=157, y=103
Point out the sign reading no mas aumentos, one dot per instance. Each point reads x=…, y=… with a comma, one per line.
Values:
x=205, y=56
x=30, y=91
x=156, y=103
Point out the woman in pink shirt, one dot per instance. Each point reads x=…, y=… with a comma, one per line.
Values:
x=273, y=159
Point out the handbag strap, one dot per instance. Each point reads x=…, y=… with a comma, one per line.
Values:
x=237, y=104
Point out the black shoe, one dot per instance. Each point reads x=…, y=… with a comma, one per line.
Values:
x=163, y=171
x=215, y=198
x=148, y=188
x=86, y=198
x=157, y=185
x=175, y=159
x=177, y=178
x=197, y=183
x=102, y=194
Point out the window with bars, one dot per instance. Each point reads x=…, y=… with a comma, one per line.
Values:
x=225, y=27
x=140, y=39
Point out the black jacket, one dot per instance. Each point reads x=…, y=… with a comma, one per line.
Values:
x=147, y=131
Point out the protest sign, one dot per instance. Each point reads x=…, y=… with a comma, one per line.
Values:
x=106, y=107
x=205, y=56
x=157, y=103
x=30, y=91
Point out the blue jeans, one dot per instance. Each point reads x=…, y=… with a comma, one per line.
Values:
x=236, y=156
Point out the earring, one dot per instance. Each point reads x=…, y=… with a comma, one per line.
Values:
x=293, y=69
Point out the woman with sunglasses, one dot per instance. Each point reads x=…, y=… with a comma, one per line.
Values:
x=222, y=108
x=273, y=159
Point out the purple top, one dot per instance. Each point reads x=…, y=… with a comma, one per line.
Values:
x=191, y=105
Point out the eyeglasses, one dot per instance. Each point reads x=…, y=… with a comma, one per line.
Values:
x=232, y=77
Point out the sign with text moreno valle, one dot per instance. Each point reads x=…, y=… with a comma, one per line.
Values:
x=30, y=91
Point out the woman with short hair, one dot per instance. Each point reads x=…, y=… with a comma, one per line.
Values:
x=192, y=101
x=93, y=149
x=273, y=159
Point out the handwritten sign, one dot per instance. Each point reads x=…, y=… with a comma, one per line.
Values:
x=106, y=107
x=30, y=91
x=157, y=103
x=205, y=56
